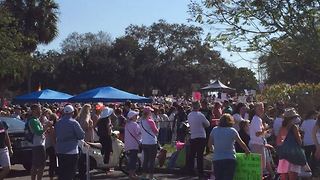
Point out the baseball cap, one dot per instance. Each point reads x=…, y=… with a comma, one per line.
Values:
x=132, y=113
x=68, y=109
x=106, y=112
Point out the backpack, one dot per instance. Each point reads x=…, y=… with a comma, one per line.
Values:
x=28, y=134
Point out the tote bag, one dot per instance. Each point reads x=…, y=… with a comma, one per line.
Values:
x=291, y=151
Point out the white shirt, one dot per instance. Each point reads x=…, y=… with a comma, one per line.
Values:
x=318, y=136
x=307, y=127
x=171, y=119
x=246, y=116
x=197, y=122
x=237, y=119
x=164, y=121
x=147, y=137
x=277, y=123
x=256, y=126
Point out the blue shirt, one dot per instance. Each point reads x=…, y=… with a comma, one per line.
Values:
x=223, y=142
x=68, y=133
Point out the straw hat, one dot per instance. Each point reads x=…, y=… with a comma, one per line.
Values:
x=288, y=113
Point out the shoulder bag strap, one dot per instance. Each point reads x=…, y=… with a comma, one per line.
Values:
x=133, y=136
x=146, y=130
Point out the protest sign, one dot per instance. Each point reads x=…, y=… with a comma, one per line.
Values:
x=248, y=167
x=242, y=99
x=196, y=96
x=224, y=96
x=246, y=92
x=155, y=92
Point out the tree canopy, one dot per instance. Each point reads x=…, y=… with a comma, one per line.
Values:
x=75, y=41
x=285, y=32
x=11, y=54
x=163, y=56
x=259, y=22
x=138, y=61
x=37, y=20
x=287, y=59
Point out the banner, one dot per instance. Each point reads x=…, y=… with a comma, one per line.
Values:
x=248, y=167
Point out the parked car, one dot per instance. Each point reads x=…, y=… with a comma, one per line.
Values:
x=22, y=149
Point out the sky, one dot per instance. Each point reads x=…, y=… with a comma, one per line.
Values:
x=113, y=16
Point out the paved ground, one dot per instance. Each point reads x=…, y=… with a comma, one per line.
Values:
x=18, y=173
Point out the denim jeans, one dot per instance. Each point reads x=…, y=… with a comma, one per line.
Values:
x=149, y=157
x=310, y=152
x=197, y=147
x=132, y=159
x=52, y=161
x=224, y=169
x=67, y=166
x=163, y=135
x=82, y=166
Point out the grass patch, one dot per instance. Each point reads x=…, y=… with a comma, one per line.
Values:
x=169, y=148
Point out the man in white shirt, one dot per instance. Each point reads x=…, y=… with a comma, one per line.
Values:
x=257, y=133
x=308, y=143
x=198, y=122
x=277, y=123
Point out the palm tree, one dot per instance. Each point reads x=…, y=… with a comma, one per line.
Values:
x=37, y=20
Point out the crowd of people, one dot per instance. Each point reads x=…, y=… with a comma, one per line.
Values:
x=223, y=128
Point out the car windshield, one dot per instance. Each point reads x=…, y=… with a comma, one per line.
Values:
x=14, y=124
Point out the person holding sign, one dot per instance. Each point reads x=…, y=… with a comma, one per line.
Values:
x=223, y=138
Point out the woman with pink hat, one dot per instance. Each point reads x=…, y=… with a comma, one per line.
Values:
x=149, y=133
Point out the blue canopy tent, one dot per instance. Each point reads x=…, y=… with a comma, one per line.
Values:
x=46, y=95
x=108, y=94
